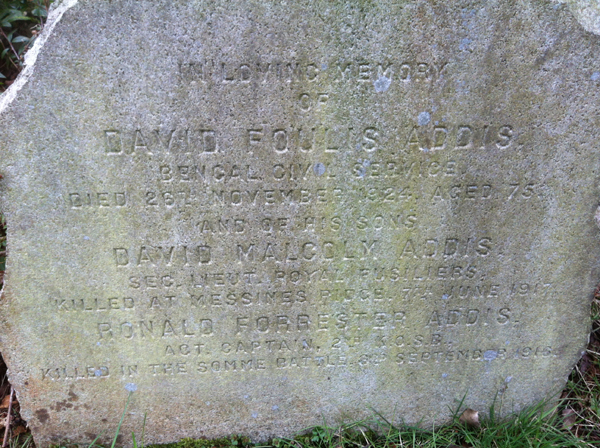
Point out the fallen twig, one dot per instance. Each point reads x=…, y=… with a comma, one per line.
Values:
x=12, y=48
x=7, y=427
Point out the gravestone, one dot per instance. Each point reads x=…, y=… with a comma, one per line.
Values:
x=253, y=217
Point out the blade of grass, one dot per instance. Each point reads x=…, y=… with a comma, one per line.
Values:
x=121, y=422
x=143, y=429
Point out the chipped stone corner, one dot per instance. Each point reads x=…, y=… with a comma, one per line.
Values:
x=54, y=16
x=587, y=13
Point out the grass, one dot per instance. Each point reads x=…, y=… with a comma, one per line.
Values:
x=581, y=397
x=535, y=427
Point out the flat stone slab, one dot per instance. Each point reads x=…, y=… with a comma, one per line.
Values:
x=256, y=217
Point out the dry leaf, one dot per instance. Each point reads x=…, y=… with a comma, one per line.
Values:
x=5, y=402
x=470, y=418
x=569, y=418
x=585, y=363
x=19, y=430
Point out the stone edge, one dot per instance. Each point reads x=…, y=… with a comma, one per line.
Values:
x=54, y=17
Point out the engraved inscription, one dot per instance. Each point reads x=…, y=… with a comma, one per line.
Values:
x=329, y=274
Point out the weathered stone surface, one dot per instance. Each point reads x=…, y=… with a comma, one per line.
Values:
x=262, y=215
